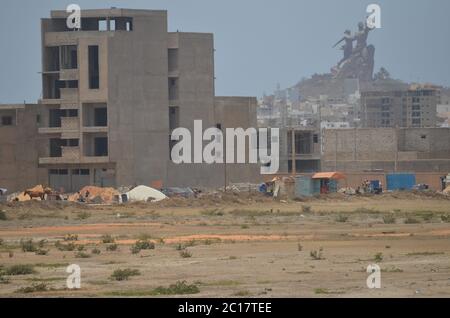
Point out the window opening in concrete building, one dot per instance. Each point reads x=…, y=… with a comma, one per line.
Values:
x=7, y=121
x=174, y=117
x=101, y=146
x=173, y=88
x=316, y=138
x=72, y=84
x=94, y=70
x=52, y=59
x=55, y=147
x=173, y=60
x=69, y=57
x=55, y=115
x=100, y=117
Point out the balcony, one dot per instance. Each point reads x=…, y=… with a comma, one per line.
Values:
x=69, y=129
x=69, y=75
x=69, y=155
x=72, y=155
x=69, y=94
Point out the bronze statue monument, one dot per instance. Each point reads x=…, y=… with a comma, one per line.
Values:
x=358, y=60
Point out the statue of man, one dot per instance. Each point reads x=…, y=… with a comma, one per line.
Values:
x=361, y=38
x=347, y=47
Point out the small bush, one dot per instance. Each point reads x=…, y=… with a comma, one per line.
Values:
x=3, y=280
x=96, y=251
x=214, y=212
x=445, y=218
x=180, y=247
x=142, y=245
x=80, y=248
x=389, y=219
x=342, y=219
x=378, y=257
x=317, y=254
x=124, y=274
x=300, y=247
x=179, y=288
x=65, y=247
x=3, y=216
x=28, y=245
x=306, y=209
x=108, y=239
x=1, y=242
x=83, y=215
x=21, y=269
x=70, y=237
x=411, y=220
x=42, y=287
x=112, y=248
x=41, y=252
x=82, y=255
x=185, y=254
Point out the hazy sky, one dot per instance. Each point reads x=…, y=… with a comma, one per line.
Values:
x=259, y=43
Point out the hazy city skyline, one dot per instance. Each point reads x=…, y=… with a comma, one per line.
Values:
x=257, y=46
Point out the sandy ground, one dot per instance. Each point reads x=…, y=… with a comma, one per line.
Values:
x=239, y=247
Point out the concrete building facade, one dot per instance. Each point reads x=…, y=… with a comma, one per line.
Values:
x=415, y=107
x=112, y=93
x=425, y=150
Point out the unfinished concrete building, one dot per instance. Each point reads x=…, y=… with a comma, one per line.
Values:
x=113, y=91
x=299, y=150
x=371, y=153
x=415, y=107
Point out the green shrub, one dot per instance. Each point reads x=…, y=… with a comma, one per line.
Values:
x=20, y=269
x=185, y=254
x=411, y=220
x=65, y=247
x=342, y=219
x=317, y=254
x=112, y=248
x=3, y=216
x=378, y=257
x=41, y=252
x=96, y=251
x=70, y=237
x=28, y=245
x=306, y=209
x=389, y=219
x=179, y=288
x=82, y=255
x=42, y=287
x=142, y=245
x=124, y=274
x=108, y=239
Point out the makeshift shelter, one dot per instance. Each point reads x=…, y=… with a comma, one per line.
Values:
x=143, y=194
x=328, y=181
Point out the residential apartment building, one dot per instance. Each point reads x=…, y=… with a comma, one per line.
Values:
x=112, y=93
x=415, y=107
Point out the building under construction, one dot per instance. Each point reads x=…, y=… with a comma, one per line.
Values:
x=112, y=93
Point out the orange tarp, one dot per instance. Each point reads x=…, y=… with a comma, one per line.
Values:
x=329, y=175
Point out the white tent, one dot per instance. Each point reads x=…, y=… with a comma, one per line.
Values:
x=144, y=193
